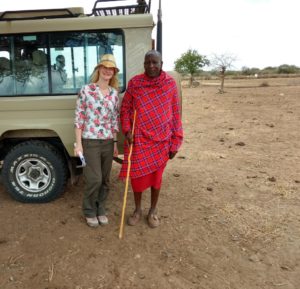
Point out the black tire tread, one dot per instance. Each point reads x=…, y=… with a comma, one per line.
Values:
x=36, y=145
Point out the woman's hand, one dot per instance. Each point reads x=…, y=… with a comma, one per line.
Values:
x=77, y=149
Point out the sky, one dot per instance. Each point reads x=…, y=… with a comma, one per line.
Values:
x=257, y=33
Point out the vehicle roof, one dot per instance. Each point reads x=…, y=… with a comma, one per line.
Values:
x=106, y=8
x=41, y=13
x=79, y=23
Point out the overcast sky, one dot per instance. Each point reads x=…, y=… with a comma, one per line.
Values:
x=258, y=33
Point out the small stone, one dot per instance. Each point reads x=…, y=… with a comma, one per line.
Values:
x=235, y=238
x=254, y=258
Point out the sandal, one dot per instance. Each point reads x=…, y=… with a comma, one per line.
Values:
x=134, y=218
x=153, y=220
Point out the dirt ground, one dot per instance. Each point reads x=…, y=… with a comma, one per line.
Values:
x=229, y=207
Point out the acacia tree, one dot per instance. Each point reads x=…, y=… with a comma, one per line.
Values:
x=222, y=62
x=190, y=62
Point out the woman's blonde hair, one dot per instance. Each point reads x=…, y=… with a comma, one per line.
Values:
x=113, y=82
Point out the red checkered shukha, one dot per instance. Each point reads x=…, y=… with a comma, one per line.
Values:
x=158, y=127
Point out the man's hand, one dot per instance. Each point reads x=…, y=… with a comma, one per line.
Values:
x=129, y=137
x=172, y=155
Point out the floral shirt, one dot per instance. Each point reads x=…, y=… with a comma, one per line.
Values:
x=97, y=115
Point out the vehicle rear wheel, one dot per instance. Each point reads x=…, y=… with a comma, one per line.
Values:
x=34, y=172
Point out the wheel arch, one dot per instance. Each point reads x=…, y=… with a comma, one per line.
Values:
x=11, y=138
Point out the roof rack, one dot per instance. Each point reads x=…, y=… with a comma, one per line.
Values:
x=140, y=8
x=41, y=14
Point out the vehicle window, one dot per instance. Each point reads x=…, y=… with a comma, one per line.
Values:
x=55, y=63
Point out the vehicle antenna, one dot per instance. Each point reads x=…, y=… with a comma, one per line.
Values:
x=159, y=30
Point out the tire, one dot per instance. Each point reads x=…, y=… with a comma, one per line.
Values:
x=34, y=172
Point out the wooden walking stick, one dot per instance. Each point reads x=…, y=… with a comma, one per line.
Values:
x=127, y=180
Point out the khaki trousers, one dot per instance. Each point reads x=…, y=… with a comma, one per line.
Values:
x=99, y=157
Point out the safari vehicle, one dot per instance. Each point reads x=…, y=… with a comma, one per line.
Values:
x=45, y=58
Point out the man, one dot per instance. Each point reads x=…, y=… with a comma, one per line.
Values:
x=157, y=133
x=59, y=75
x=6, y=79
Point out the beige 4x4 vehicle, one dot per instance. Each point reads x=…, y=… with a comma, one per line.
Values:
x=45, y=57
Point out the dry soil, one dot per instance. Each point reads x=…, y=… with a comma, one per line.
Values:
x=229, y=207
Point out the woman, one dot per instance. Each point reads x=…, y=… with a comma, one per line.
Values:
x=96, y=127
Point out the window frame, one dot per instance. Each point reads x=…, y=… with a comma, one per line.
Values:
x=48, y=47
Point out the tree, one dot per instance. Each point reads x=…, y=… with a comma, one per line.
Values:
x=250, y=71
x=287, y=69
x=190, y=62
x=222, y=62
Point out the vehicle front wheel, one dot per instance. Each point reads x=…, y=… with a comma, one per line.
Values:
x=34, y=172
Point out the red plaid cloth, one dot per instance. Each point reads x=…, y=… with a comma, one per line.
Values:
x=158, y=128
